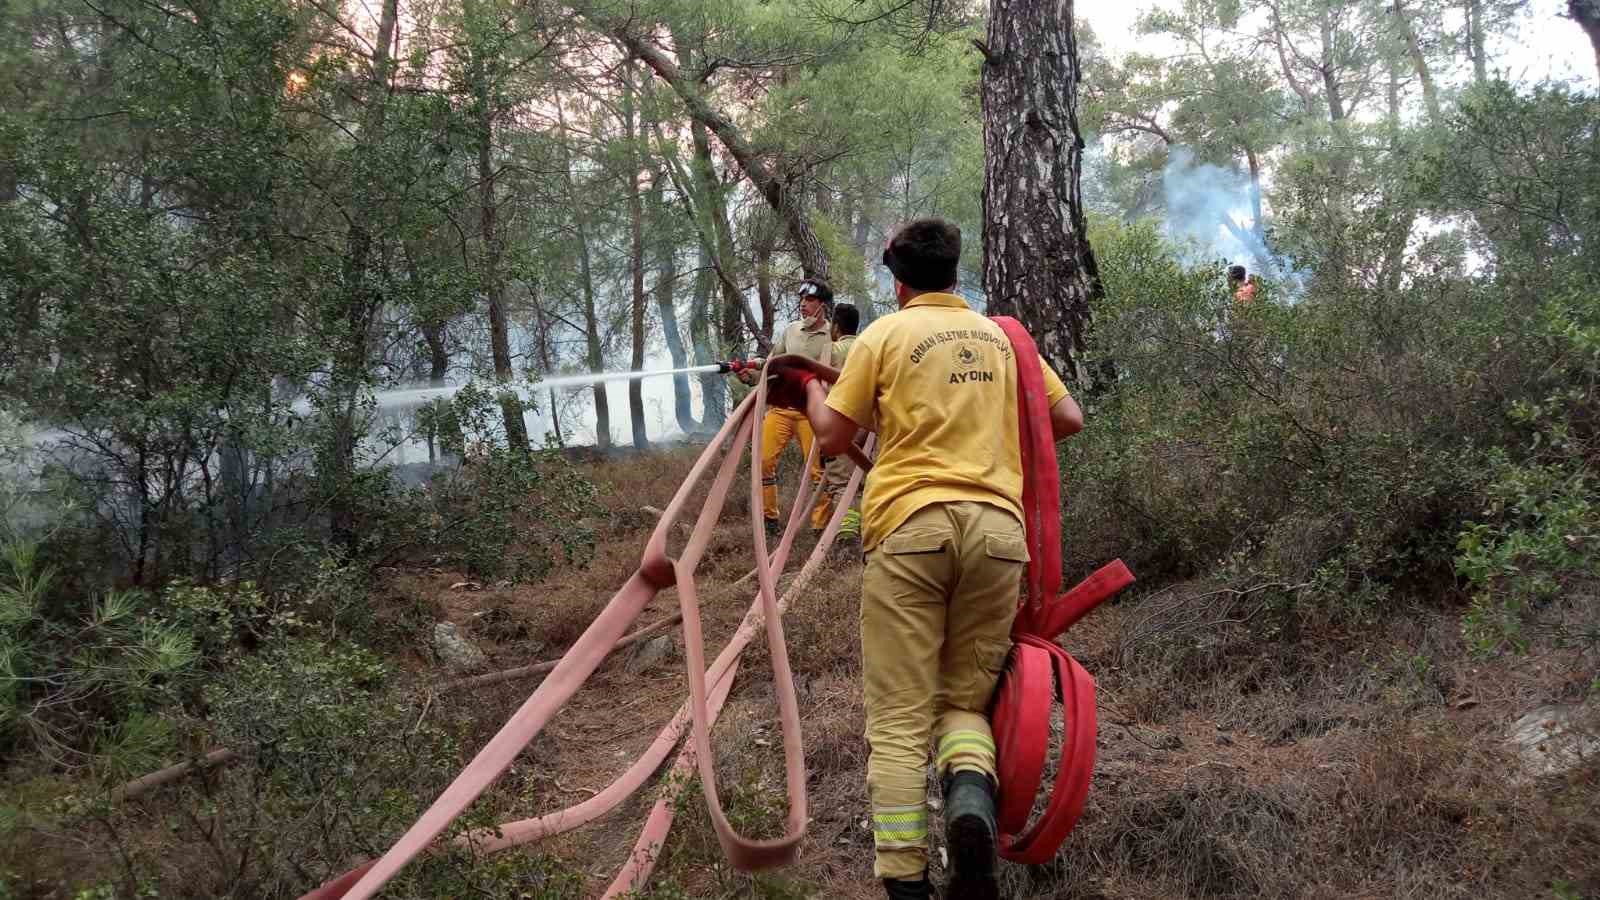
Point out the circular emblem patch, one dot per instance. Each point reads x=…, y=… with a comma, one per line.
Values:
x=967, y=356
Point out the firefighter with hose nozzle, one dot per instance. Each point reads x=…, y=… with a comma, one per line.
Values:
x=809, y=337
x=945, y=549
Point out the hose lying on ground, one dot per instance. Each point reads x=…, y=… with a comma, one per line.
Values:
x=657, y=571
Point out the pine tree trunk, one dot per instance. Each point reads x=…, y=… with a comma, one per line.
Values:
x=438, y=358
x=1587, y=14
x=1419, y=63
x=361, y=301
x=713, y=391
x=1475, y=49
x=1037, y=264
x=871, y=206
x=666, y=265
x=735, y=312
x=493, y=284
x=591, y=320
x=765, y=244
x=630, y=132
x=784, y=199
x=544, y=359
x=1399, y=209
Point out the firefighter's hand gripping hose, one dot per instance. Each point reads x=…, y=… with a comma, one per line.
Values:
x=708, y=689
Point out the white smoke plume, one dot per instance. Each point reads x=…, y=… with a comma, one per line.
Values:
x=1210, y=216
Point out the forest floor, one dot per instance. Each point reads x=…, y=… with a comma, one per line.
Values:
x=1237, y=756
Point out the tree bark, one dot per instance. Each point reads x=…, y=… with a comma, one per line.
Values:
x=779, y=193
x=1401, y=213
x=360, y=301
x=438, y=358
x=1258, y=226
x=1475, y=49
x=713, y=391
x=869, y=208
x=591, y=320
x=544, y=359
x=1037, y=264
x=1332, y=90
x=491, y=250
x=631, y=133
x=1587, y=14
x=764, y=245
x=666, y=265
x=735, y=312
x=1419, y=63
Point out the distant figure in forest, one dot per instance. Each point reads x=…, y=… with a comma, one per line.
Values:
x=1243, y=286
x=810, y=337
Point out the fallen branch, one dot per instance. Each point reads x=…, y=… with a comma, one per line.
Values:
x=539, y=668
x=218, y=757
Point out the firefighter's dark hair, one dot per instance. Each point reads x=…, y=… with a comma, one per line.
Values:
x=924, y=254
x=847, y=318
x=1236, y=273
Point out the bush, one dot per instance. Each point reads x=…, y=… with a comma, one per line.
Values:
x=85, y=688
x=500, y=516
x=1533, y=554
x=1338, y=438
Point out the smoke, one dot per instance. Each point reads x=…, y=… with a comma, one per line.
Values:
x=1211, y=217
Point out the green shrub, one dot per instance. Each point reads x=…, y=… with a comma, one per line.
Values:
x=1334, y=438
x=501, y=515
x=1533, y=554
x=85, y=689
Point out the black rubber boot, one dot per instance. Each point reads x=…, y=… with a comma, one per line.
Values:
x=899, y=889
x=972, y=837
x=774, y=528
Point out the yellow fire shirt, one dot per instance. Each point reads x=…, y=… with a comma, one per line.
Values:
x=941, y=382
x=812, y=342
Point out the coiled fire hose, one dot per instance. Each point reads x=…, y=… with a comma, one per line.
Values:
x=708, y=689
x=1038, y=670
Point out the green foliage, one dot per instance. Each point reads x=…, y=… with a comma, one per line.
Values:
x=501, y=515
x=1527, y=164
x=329, y=748
x=1327, y=443
x=1531, y=555
x=298, y=703
x=85, y=685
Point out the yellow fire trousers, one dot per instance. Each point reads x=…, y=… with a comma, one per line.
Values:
x=836, y=472
x=776, y=429
x=937, y=600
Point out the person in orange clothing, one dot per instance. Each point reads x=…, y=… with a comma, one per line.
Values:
x=812, y=338
x=945, y=550
x=1244, y=288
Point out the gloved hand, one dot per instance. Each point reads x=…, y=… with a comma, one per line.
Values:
x=786, y=387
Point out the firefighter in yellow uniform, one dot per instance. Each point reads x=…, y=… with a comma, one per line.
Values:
x=810, y=337
x=942, y=529
x=838, y=469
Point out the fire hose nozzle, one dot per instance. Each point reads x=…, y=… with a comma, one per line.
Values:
x=735, y=366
